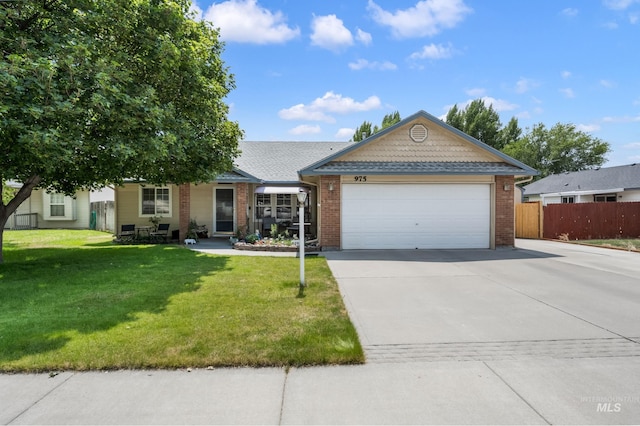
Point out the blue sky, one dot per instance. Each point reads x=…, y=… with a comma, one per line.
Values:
x=316, y=69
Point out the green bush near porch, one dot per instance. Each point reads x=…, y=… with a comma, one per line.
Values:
x=74, y=300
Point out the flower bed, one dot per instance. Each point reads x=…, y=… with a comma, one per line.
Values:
x=273, y=245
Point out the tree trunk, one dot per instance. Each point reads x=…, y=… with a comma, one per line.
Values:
x=7, y=210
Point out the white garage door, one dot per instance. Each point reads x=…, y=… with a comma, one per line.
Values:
x=409, y=216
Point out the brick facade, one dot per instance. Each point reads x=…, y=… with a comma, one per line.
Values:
x=505, y=211
x=242, y=203
x=184, y=209
x=329, y=212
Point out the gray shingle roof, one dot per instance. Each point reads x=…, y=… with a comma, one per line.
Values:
x=279, y=162
x=626, y=177
x=418, y=168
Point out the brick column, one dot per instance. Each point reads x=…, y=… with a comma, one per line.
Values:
x=185, y=209
x=242, y=201
x=505, y=211
x=329, y=212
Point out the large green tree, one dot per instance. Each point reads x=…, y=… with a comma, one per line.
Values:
x=562, y=148
x=96, y=91
x=479, y=121
x=365, y=130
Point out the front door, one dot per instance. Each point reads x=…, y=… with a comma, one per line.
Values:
x=224, y=210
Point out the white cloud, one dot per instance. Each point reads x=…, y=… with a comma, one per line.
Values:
x=568, y=93
x=330, y=33
x=329, y=103
x=195, y=11
x=525, y=84
x=566, y=74
x=433, y=51
x=622, y=119
x=426, y=18
x=607, y=83
x=524, y=115
x=634, y=18
x=363, y=37
x=610, y=25
x=636, y=102
x=618, y=4
x=632, y=145
x=570, y=11
x=245, y=21
x=305, y=129
x=345, y=133
x=478, y=91
x=588, y=127
x=375, y=65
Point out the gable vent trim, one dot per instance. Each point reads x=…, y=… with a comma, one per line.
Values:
x=418, y=133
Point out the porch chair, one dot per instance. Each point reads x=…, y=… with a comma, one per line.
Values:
x=162, y=233
x=127, y=232
x=266, y=226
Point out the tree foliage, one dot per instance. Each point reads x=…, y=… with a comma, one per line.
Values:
x=562, y=148
x=365, y=130
x=97, y=91
x=479, y=121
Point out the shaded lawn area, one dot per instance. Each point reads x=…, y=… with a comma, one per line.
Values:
x=74, y=300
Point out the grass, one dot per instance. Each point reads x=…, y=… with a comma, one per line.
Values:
x=74, y=300
x=632, y=244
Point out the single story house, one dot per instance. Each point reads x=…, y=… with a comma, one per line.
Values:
x=605, y=184
x=46, y=210
x=418, y=184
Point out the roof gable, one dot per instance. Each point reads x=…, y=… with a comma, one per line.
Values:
x=397, y=150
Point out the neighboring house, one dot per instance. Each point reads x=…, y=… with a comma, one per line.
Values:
x=606, y=184
x=51, y=210
x=418, y=184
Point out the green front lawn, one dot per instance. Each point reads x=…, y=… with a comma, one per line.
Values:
x=74, y=300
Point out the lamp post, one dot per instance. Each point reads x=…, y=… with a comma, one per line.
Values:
x=302, y=197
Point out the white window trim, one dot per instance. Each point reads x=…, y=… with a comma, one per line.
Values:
x=140, y=190
x=274, y=207
x=69, y=208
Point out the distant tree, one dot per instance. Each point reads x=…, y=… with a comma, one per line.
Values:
x=96, y=91
x=509, y=134
x=559, y=149
x=479, y=121
x=362, y=132
x=365, y=130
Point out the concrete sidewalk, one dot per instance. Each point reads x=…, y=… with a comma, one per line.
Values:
x=534, y=391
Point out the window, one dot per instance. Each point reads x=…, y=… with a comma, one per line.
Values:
x=56, y=205
x=263, y=206
x=283, y=204
x=568, y=200
x=605, y=198
x=155, y=201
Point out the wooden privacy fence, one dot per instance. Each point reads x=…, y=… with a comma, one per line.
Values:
x=529, y=220
x=584, y=221
x=103, y=216
x=580, y=221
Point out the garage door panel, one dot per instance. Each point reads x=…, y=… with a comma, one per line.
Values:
x=415, y=216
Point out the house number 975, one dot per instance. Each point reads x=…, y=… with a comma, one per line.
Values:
x=360, y=178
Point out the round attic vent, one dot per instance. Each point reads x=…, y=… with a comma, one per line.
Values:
x=418, y=133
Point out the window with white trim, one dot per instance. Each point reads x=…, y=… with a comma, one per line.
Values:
x=568, y=200
x=155, y=201
x=58, y=206
x=283, y=203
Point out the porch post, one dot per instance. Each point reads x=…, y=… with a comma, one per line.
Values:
x=242, y=203
x=185, y=209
